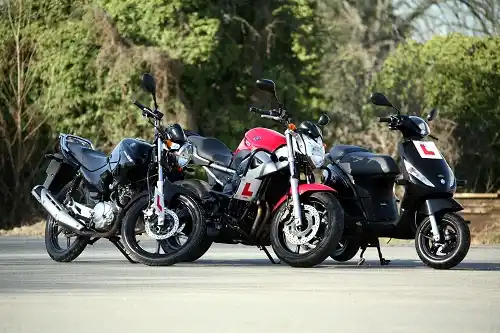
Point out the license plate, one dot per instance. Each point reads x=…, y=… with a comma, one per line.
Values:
x=53, y=168
x=51, y=172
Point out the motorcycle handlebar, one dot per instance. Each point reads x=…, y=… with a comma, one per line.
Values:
x=384, y=119
x=271, y=113
x=145, y=110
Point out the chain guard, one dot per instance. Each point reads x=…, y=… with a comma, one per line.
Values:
x=297, y=237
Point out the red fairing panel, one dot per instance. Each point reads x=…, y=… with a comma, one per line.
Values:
x=263, y=138
x=304, y=188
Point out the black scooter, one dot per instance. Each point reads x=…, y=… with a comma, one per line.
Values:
x=365, y=184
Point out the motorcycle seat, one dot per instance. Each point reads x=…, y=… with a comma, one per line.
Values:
x=365, y=164
x=90, y=159
x=212, y=149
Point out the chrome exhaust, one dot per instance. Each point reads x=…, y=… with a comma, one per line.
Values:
x=56, y=209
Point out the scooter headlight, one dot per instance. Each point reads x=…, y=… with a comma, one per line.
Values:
x=417, y=174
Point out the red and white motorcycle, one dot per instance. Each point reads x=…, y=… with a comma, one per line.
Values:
x=259, y=198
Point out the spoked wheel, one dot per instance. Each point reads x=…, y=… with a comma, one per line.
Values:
x=61, y=244
x=454, y=244
x=310, y=244
x=145, y=240
x=346, y=249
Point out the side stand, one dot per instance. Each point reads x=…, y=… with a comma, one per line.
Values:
x=263, y=248
x=116, y=242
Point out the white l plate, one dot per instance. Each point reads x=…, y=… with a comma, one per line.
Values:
x=428, y=149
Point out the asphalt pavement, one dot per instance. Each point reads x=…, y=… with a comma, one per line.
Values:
x=236, y=289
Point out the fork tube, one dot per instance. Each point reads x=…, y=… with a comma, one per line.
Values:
x=294, y=179
x=160, y=204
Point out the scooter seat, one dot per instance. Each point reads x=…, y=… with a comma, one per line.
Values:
x=212, y=149
x=338, y=151
x=365, y=163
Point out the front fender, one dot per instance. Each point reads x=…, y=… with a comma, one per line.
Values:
x=432, y=206
x=305, y=188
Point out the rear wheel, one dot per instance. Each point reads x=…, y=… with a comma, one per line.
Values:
x=63, y=245
x=191, y=224
x=310, y=244
x=346, y=249
x=454, y=244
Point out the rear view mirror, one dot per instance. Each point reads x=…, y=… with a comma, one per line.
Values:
x=432, y=115
x=380, y=99
x=149, y=84
x=323, y=119
x=267, y=86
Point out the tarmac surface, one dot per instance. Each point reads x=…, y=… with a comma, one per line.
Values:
x=237, y=289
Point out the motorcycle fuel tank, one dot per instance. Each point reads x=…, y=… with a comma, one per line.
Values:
x=261, y=138
x=130, y=160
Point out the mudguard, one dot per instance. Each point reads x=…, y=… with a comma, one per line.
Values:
x=305, y=188
x=171, y=190
x=432, y=206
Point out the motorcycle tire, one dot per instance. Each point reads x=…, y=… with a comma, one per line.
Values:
x=335, y=227
x=201, y=189
x=52, y=246
x=350, y=249
x=456, y=256
x=198, y=232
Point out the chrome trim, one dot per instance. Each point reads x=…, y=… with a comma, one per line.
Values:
x=207, y=170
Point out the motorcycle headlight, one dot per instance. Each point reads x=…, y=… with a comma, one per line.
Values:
x=417, y=174
x=184, y=154
x=313, y=149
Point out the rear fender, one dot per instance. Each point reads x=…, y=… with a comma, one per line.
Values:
x=58, y=172
x=303, y=189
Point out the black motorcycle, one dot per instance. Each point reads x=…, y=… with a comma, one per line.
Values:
x=90, y=195
x=365, y=184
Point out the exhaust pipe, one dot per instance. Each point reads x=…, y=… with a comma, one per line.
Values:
x=56, y=209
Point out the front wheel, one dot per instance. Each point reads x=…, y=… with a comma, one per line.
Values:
x=310, y=244
x=454, y=244
x=191, y=224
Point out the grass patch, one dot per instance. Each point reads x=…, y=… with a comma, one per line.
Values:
x=36, y=229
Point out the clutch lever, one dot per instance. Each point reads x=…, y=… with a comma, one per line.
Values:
x=271, y=117
x=433, y=137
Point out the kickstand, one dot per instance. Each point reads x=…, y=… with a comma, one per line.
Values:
x=383, y=261
x=116, y=242
x=361, y=260
x=263, y=248
x=92, y=241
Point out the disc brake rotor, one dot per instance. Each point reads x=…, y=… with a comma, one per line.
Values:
x=301, y=237
x=168, y=229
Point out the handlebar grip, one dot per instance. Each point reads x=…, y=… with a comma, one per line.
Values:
x=257, y=110
x=384, y=119
x=139, y=105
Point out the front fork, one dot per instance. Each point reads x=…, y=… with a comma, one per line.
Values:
x=294, y=179
x=159, y=198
